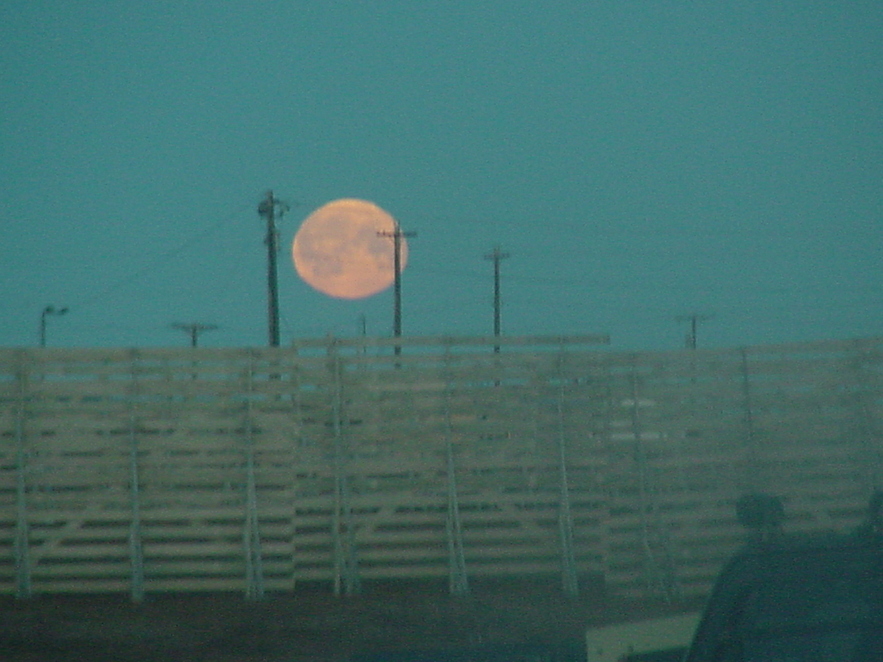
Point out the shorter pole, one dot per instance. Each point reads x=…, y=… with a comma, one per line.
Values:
x=194, y=329
x=496, y=255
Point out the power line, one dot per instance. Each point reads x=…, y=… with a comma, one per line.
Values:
x=612, y=288
x=102, y=295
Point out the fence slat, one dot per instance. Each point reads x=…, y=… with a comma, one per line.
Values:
x=339, y=460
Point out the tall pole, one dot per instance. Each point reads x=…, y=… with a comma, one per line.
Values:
x=496, y=255
x=397, y=269
x=397, y=235
x=693, y=319
x=267, y=209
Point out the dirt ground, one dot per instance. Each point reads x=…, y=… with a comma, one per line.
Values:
x=308, y=624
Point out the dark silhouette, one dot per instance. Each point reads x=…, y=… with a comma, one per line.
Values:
x=762, y=514
x=873, y=523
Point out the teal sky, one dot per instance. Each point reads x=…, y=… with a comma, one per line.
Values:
x=638, y=160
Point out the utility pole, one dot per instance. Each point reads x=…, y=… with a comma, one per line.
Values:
x=693, y=319
x=496, y=255
x=397, y=236
x=194, y=329
x=267, y=209
x=48, y=310
x=363, y=327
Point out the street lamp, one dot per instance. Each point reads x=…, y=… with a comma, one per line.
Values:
x=48, y=310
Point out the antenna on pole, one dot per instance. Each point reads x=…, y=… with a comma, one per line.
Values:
x=397, y=235
x=194, y=329
x=267, y=209
x=693, y=319
x=496, y=255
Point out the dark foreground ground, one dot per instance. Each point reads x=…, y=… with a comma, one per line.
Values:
x=311, y=624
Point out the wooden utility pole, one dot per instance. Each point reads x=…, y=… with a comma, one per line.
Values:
x=194, y=329
x=693, y=319
x=397, y=236
x=267, y=209
x=496, y=255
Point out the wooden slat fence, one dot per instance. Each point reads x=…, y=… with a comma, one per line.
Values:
x=341, y=461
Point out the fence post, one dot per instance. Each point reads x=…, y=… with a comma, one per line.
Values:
x=752, y=482
x=565, y=517
x=136, y=550
x=345, y=558
x=254, y=573
x=23, y=586
x=864, y=425
x=458, y=580
x=663, y=570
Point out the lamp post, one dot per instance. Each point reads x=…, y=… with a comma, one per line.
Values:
x=48, y=310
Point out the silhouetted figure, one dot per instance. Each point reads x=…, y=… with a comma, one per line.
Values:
x=763, y=516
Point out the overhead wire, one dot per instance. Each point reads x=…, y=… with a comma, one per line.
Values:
x=103, y=294
x=603, y=289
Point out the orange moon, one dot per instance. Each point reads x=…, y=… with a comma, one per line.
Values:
x=338, y=250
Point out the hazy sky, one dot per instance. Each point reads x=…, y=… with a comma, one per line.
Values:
x=638, y=160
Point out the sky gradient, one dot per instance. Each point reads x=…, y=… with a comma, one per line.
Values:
x=639, y=161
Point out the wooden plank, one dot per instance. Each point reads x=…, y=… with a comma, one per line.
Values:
x=499, y=410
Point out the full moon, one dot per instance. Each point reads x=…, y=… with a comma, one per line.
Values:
x=340, y=249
